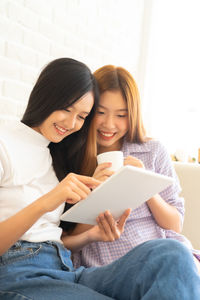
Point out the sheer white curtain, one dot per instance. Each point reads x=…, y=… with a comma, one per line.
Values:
x=171, y=87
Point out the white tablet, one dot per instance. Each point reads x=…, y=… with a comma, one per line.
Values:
x=129, y=187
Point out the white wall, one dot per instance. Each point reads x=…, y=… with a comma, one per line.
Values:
x=33, y=32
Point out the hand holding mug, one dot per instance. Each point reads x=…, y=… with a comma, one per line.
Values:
x=108, y=163
x=133, y=161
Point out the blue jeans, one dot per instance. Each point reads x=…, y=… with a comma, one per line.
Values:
x=160, y=269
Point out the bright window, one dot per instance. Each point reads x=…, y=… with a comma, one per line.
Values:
x=171, y=95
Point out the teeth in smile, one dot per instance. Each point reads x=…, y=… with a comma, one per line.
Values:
x=60, y=128
x=107, y=134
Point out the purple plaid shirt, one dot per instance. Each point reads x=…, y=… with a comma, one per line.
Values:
x=140, y=226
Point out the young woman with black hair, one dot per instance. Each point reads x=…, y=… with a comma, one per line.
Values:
x=37, y=153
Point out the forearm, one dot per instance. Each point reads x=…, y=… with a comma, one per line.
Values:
x=78, y=238
x=72, y=189
x=166, y=215
x=76, y=242
x=13, y=228
x=80, y=228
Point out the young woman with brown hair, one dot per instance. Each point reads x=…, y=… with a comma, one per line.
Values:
x=118, y=125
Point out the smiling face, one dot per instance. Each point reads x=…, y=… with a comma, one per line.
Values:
x=111, y=121
x=62, y=123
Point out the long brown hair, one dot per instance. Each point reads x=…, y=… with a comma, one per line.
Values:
x=112, y=78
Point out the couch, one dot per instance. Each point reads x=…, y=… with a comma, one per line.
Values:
x=189, y=176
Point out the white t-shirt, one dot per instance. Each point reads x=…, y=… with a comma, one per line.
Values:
x=26, y=173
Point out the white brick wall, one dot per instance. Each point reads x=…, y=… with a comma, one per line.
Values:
x=33, y=32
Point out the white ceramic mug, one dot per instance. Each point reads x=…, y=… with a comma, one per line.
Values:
x=115, y=157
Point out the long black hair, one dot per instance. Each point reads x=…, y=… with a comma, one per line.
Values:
x=61, y=83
